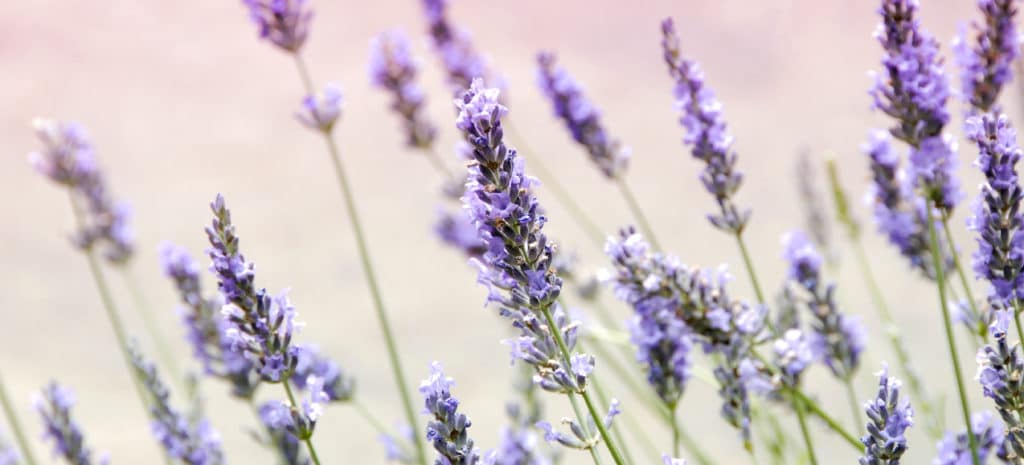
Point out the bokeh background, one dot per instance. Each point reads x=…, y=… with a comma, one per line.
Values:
x=183, y=101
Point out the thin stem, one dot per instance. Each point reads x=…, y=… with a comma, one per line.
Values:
x=801, y=417
x=983, y=330
x=831, y=422
x=638, y=213
x=923, y=403
x=270, y=432
x=15, y=423
x=371, y=276
x=549, y=180
x=295, y=405
x=851, y=397
x=617, y=432
x=591, y=408
x=583, y=424
x=365, y=413
x=675, y=431
x=307, y=81
x=940, y=281
x=750, y=267
x=145, y=312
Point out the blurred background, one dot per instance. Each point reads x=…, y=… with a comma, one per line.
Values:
x=183, y=101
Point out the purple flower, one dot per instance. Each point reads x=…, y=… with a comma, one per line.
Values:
x=393, y=68
x=997, y=218
x=889, y=416
x=68, y=159
x=456, y=229
x=581, y=118
x=1000, y=367
x=663, y=346
x=396, y=447
x=310, y=364
x=837, y=337
x=734, y=377
x=54, y=406
x=985, y=64
x=285, y=23
x=793, y=354
x=447, y=429
x=933, y=170
x=192, y=441
x=320, y=112
x=299, y=420
x=954, y=449
x=454, y=46
x=516, y=447
x=706, y=132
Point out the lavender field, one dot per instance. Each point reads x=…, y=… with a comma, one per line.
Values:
x=286, y=216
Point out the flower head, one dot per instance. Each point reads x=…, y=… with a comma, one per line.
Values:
x=706, y=132
x=889, y=416
x=393, y=68
x=985, y=64
x=1001, y=375
x=310, y=364
x=320, y=112
x=285, y=23
x=793, y=354
x=447, y=429
x=580, y=116
x=456, y=229
x=54, y=406
x=462, y=62
x=954, y=449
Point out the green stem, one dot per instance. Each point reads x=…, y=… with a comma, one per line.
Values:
x=295, y=405
x=851, y=397
x=638, y=213
x=923, y=403
x=801, y=417
x=145, y=312
x=549, y=180
x=15, y=423
x=983, y=330
x=940, y=280
x=675, y=431
x=617, y=432
x=831, y=422
x=270, y=432
x=591, y=408
x=365, y=413
x=371, y=276
x=750, y=267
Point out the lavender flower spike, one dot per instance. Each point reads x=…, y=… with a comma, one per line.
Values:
x=68, y=158
x=889, y=416
x=393, y=68
x=705, y=132
x=320, y=112
x=54, y=406
x=985, y=65
x=1000, y=373
x=447, y=430
x=462, y=62
x=191, y=442
x=580, y=116
x=953, y=448
x=285, y=23
x=838, y=337
x=997, y=218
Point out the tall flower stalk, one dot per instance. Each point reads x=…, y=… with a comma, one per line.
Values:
x=707, y=136
x=17, y=429
x=286, y=25
x=889, y=417
x=518, y=268
x=985, y=63
x=913, y=90
x=54, y=406
x=583, y=120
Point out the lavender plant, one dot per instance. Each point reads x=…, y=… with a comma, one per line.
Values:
x=889, y=417
x=54, y=406
x=393, y=69
x=984, y=63
x=955, y=449
x=447, y=429
x=1000, y=372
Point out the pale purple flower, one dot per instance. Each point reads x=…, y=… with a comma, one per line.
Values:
x=985, y=64
x=396, y=446
x=311, y=364
x=456, y=229
x=319, y=112
x=889, y=417
x=393, y=68
x=706, y=132
x=447, y=428
x=54, y=406
x=1000, y=368
x=516, y=446
x=932, y=168
x=954, y=449
x=580, y=116
x=462, y=62
x=285, y=23
x=792, y=354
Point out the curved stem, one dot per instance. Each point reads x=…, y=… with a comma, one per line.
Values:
x=983, y=330
x=831, y=422
x=940, y=281
x=370, y=274
x=145, y=312
x=15, y=423
x=923, y=403
x=801, y=417
x=549, y=180
x=750, y=267
x=638, y=213
x=295, y=405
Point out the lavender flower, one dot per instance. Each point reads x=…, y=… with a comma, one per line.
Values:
x=705, y=132
x=581, y=118
x=193, y=443
x=997, y=219
x=913, y=90
x=447, y=429
x=9, y=455
x=985, y=65
x=889, y=416
x=396, y=447
x=285, y=23
x=68, y=159
x=793, y=355
x=260, y=326
x=320, y=112
x=456, y=229
x=393, y=68
x=54, y=406
x=1001, y=375
x=297, y=420
x=663, y=346
x=953, y=448
x=732, y=389
x=899, y=215
x=311, y=364
x=516, y=446
x=462, y=62
x=838, y=337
